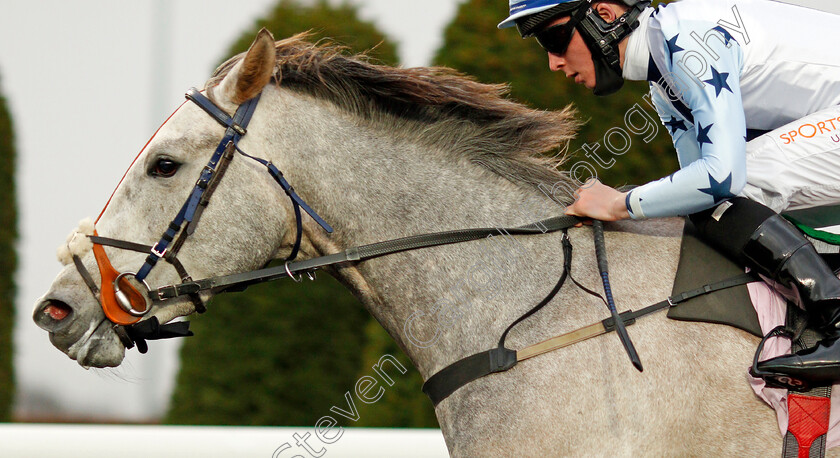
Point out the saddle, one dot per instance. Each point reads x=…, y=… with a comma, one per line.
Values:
x=701, y=265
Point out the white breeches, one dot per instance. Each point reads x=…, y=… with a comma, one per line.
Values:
x=797, y=165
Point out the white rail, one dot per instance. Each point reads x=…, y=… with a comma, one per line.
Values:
x=129, y=441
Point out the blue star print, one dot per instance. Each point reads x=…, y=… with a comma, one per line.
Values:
x=673, y=47
x=726, y=35
x=675, y=124
x=719, y=191
x=694, y=67
x=703, y=135
x=719, y=82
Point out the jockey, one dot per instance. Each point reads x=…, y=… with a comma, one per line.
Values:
x=750, y=92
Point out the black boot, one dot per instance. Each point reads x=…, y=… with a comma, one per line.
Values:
x=780, y=252
x=776, y=249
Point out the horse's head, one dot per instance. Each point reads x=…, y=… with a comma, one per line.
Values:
x=87, y=318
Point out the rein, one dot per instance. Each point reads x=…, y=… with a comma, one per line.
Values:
x=355, y=254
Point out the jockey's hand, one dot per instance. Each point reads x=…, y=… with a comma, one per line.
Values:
x=598, y=201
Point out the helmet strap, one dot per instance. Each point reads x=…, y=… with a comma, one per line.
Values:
x=607, y=79
x=602, y=38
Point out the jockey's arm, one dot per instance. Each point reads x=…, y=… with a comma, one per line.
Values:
x=711, y=149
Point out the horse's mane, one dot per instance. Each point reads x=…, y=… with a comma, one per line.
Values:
x=436, y=105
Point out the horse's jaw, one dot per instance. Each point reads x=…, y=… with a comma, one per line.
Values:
x=99, y=347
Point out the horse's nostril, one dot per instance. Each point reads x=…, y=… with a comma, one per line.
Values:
x=57, y=310
x=51, y=313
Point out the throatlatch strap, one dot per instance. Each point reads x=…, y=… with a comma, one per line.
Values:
x=277, y=175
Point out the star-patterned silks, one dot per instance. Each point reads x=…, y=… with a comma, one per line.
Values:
x=702, y=125
x=726, y=35
x=673, y=47
x=719, y=190
x=675, y=124
x=719, y=82
x=703, y=134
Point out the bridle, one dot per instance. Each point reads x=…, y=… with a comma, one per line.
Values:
x=120, y=295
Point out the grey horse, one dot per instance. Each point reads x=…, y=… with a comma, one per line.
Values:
x=385, y=152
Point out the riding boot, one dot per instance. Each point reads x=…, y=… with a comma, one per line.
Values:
x=776, y=249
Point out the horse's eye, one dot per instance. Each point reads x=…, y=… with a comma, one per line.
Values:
x=164, y=168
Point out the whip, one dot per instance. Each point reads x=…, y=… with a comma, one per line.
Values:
x=601, y=254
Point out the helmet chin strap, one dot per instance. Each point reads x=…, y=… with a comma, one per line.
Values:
x=602, y=38
x=608, y=80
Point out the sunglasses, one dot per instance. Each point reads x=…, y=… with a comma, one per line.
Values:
x=556, y=39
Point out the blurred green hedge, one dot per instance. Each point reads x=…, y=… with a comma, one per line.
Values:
x=8, y=258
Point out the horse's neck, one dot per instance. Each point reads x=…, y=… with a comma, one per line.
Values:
x=443, y=303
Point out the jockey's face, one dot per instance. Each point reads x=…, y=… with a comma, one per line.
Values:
x=576, y=62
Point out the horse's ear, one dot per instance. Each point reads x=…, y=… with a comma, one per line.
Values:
x=248, y=77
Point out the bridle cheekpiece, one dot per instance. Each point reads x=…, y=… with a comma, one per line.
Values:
x=126, y=297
